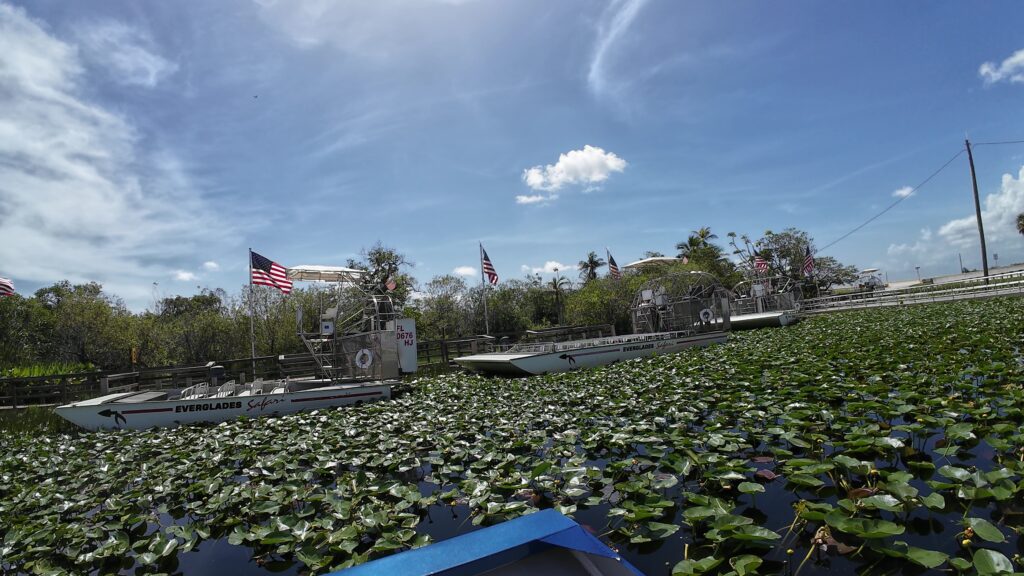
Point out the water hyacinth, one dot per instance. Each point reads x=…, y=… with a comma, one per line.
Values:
x=871, y=440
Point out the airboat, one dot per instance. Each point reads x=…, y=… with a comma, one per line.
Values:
x=360, y=345
x=765, y=302
x=669, y=314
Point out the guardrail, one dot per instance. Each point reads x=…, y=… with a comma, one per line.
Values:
x=1011, y=283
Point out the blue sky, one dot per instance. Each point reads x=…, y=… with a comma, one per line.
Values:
x=146, y=142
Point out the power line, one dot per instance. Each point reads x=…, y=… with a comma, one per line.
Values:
x=976, y=144
x=893, y=205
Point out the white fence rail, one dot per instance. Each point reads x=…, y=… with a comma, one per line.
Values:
x=1011, y=283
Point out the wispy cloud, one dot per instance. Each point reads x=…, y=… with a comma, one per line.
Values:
x=534, y=198
x=904, y=192
x=464, y=271
x=589, y=167
x=614, y=24
x=128, y=53
x=185, y=276
x=1010, y=70
x=211, y=266
x=79, y=198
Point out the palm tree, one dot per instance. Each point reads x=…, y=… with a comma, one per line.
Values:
x=1020, y=222
x=704, y=235
x=687, y=248
x=588, y=268
x=558, y=284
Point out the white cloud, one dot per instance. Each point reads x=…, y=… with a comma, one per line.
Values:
x=211, y=266
x=79, y=198
x=185, y=276
x=999, y=216
x=464, y=271
x=534, y=198
x=548, y=268
x=128, y=53
x=615, y=21
x=589, y=166
x=1011, y=69
x=904, y=192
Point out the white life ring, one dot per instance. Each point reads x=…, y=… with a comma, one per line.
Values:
x=364, y=358
x=707, y=315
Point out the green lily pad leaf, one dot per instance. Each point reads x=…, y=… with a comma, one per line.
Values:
x=882, y=502
x=750, y=488
x=985, y=530
x=745, y=564
x=693, y=567
x=935, y=501
x=960, y=564
x=921, y=556
x=991, y=562
x=660, y=531
x=954, y=473
x=749, y=532
x=863, y=527
x=804, y=480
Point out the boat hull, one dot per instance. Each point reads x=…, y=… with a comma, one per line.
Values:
x=627, y=348
x=117, y=412
x=763, y=320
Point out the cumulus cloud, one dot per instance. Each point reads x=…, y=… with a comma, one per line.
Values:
x=128, y=53
x=904, y=192
x=211, y=266
x=185, y=276
x=79, y=197
x=1010, y=70
x=464, y=271
x=999, y=215
x=549, y=267
x=589, y=167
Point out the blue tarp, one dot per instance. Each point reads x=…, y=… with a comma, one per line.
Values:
x=490, y=547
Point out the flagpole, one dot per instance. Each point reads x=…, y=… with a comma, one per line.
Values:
x=483, y=283
x=252, y=329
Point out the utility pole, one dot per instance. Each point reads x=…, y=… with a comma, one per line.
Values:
x=977, y=211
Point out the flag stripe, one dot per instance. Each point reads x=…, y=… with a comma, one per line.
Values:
x=6, y=287
x=489, y=271
x=266, y=272
x=613, y=268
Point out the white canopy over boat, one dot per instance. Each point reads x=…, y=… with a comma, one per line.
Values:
x=314, y=272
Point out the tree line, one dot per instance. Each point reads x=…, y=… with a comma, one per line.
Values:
x=84, y=326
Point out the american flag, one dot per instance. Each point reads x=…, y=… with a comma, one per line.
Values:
x=268, y=273
x=613, y=268
x=760, y=263
x=391, y=284
x=488, y=268
x=6, y=287
x=808, y=268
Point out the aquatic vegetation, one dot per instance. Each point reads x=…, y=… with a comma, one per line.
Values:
x=870, y=440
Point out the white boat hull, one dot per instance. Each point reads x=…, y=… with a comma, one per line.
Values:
x=587, y=353
x=118, y=411
x=763, y=320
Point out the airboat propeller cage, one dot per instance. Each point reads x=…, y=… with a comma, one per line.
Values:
x=765, y=294
x=692, y=302
x=361, y=337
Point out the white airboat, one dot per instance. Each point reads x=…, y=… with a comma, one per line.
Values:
x=669, y=314
x=361, y=348
x=765, y=302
